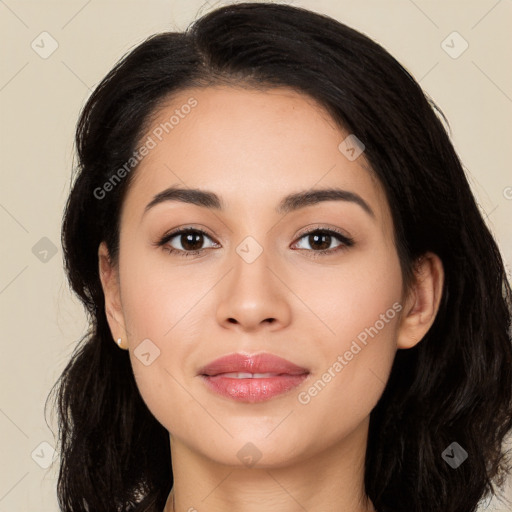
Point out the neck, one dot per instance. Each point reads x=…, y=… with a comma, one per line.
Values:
x=331, y=480
x=170, y=504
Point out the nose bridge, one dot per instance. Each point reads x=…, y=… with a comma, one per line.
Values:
x=252, y=293
x=251, y=273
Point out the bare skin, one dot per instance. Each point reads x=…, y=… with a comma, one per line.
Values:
x=252, y=148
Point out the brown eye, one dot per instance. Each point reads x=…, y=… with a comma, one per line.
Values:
x=320, y=241
x=191, y=241
x=185, y=242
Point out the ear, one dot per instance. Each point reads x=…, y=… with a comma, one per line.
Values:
x=109, y=278
x=423, y=299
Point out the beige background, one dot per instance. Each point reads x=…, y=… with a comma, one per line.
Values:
x=40, y=99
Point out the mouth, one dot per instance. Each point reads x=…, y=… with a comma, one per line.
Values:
x=252, y=379
x=244, y=375
x=251, y=388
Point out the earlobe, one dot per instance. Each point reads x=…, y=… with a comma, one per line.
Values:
x=422, y=302
x=110, y=284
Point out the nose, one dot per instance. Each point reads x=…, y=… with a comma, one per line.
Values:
x=253, y=295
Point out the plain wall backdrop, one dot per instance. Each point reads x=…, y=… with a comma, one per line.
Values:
x=53, y=55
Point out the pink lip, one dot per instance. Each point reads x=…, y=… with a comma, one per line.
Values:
x=259, y=363
x=288, y=376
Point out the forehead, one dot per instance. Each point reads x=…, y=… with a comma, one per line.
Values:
x=249, y=146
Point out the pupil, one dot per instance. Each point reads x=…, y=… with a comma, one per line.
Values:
x=189, y=240
x=316, y=237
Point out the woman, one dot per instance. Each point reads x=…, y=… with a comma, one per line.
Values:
x=290, y=286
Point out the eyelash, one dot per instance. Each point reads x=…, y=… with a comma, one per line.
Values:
x=346, y=242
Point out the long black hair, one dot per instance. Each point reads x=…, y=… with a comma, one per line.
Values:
x=453, y=386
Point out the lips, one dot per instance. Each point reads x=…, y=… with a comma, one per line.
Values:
x=254, y=365
x=252, y=378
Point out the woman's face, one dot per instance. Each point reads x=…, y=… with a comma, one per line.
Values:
x=260, y=283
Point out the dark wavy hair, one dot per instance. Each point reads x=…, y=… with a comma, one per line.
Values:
x=455, y=385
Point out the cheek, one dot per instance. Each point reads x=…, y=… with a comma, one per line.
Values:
x=352, y=295
x=165, y=304
x=361, y=311
x=347, y=386
x=155, y=294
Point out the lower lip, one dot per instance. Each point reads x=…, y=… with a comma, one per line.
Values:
x=253, y=390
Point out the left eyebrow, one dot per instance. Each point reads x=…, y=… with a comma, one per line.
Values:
x=289, y=203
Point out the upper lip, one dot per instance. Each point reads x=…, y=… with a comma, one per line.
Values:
x=259, y=363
